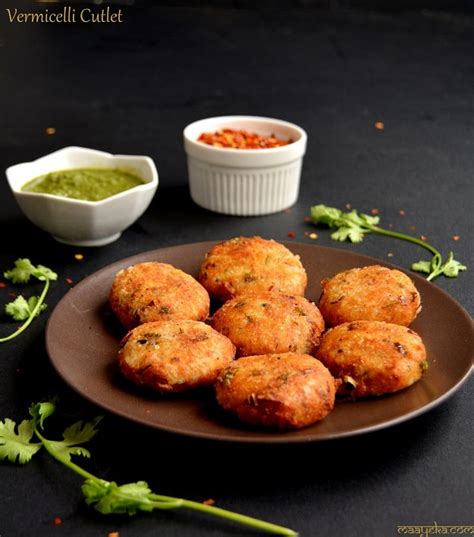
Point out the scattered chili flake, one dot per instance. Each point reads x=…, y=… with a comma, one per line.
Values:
x=57, y=521
x=313, y=236
x=13, y=295
x=374, y=211
x=307, y=218
x=2, y=285
x=209, y=501
x=401, y=212
x=241, y=139
x=412, y=228
x=113, y=534
x=69, y=281
x=286, y=211
x=291, y=234
x=379, y=125
x=348, y=206
x=79, y=257
x=423, y=237
x=306, y=233
x=50, y=130
x=456, y=237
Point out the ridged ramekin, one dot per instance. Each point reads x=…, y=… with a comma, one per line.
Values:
x=245, y=182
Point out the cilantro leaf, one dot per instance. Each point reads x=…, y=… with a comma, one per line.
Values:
x=332, y=217
x=369, y=220
x=422, y=266
x=75, y=434
x=81, y=432
x=351, y=226
x=353, y=233
x=17, y=445
x=352, y=216
x=452, y=267
x=24, y=269
x=108, y=497
x=44, y=273
x=20, y=308
x=325, y=215
x=22, y=272
x=41, y=411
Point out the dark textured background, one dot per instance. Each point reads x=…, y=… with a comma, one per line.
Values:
x=335, y=71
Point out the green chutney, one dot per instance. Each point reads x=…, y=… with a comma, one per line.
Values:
x=89, y=184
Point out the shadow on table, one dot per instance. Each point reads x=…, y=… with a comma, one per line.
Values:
x=177, y=462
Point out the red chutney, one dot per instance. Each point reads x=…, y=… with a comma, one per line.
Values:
x=241, y=139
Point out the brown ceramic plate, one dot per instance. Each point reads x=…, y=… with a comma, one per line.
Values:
x=82, y=340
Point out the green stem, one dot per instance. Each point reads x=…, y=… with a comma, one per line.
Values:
x=402, y=236
x=169, y=502
x=229, y=515
x=28, y=321
x=437, y=267
x=74, y=467
x=437, y=260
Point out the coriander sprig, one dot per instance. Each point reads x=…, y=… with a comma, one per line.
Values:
x=20, y=308
x=18, y=443
x=353, y=226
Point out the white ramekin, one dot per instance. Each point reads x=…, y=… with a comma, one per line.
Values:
x=245, y=182
x=79, y=222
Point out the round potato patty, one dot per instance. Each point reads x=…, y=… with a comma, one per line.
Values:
x=285, y=391
x=173, y=356
x=251, y=265
x=270, y=323
x=373, y=357
x=372, y=293
x=154, y=291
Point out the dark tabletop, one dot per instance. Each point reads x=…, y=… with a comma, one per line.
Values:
x=131, y=88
